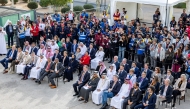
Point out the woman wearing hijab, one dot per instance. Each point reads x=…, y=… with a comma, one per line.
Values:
x=68, y=75
x=111, y=71
x=117, y=100
x=90, y=86
x=101, y=68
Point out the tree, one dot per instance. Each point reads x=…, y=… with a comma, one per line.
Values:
x=3, y=2
x=59, y=3
x=44, y=3
x=32, y=5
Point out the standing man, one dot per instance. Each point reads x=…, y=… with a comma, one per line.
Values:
x=83, y=79
x=3, y=49
x=10, y=33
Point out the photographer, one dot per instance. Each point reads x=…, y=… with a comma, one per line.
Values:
x=122, y=47
x=141, y=47
x=132, y=46
x=112, y=47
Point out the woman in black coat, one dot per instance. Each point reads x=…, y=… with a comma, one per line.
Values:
x=177, y=61
x=68, y=75
x=90, y=86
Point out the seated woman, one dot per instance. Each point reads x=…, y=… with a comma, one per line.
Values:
x=101, y=68
x=156, y=84
x=157, y=73
x=73, y=64
x=117, y=100
x=103, y=84
x=99, y=57
x=90, y=86
x=85, y=60
x=179, y=88
x=22, y=64
x=111, y=71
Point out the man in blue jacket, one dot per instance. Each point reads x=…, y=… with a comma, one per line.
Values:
x=143, y=82
x=147, y=70
x=149, y=100
x=136, y=69
x=122, y=74
x=91, y=51
x=11, y=55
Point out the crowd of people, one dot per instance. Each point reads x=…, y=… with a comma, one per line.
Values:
x=147, y=65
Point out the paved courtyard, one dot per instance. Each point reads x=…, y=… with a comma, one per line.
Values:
x=18, y=94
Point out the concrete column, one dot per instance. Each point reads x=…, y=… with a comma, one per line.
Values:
x=188, y=6
x=71, y=5
x=140, y=11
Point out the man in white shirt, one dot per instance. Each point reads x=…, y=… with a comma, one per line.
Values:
x=165, y=93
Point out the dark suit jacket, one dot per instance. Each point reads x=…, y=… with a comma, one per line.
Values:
x=59, y=67
x=136, y=97
x=85, y=78
x=98, y=68
x=58, y=56
x=168, y=92
x=74, y=48
x=157, y=88
x=92, y=53
x=73, y=64
x=144, y=84
x=116, y=88
x=14, y=55
x=151, y=101
x=51, y=66
x=148, y=73
x=137, y=72
x=8, y=31
x=122, y=75
x=66, y=61
x=126, y=67
x=35, y=50
x=69, y=45
x=93, y=83
x=117, y=65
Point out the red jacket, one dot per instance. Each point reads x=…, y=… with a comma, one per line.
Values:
x=188, y=31
x=98, y=39
x=105, y=43
x=85, y=60
x=34, y=31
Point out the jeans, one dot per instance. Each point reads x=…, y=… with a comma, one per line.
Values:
x=106, y=95
x=141, y=106
x=5, y=62
x=121, y=53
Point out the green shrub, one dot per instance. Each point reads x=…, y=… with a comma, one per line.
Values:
x=180, y=5
x=88, y=6
x=32, y=5
x=3, y=2
x=25, y=1
x=78, y=8
x=64, y=10
x=44, y=3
